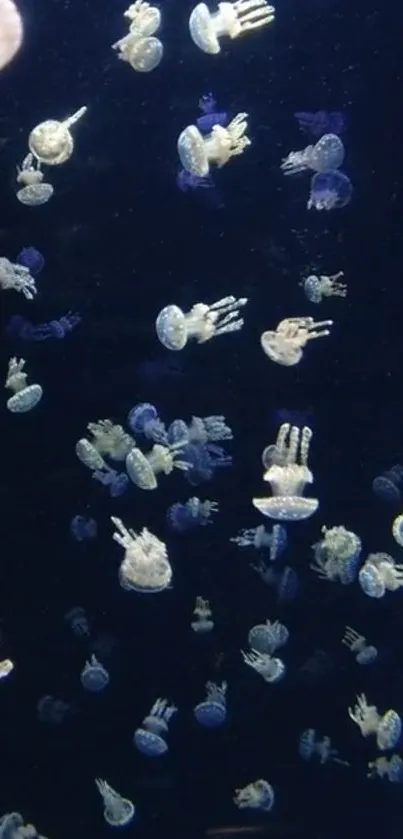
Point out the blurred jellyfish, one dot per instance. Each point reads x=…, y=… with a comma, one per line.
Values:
x=150, y=739
x=272, y=670
x=11, y=31
x=337, y=555
x=32, y=259
x=197, y=152
x=145, y=567
x=390, y=768
x=116, y=482
x=18, y=278
x=78, y=622
x=143, y=419
x=203, y=615
x=194, y=513
x=389, y=485
x=52, y=710
x=363, y=653
x=380, y=574
x=118, y=811
x=12, y=826
x=259, y=795
x=212, y=712
x=285, y=581
x=397, y=530
x=330, y=190
x=110, y=439
x=387, y=728
x=211, y=116
x=311, y=746
x=94, y=677
x=259, y=537
x=83, y=528
x=203, y=460
x=318, y=123
x=23, y=329
x=25, y=397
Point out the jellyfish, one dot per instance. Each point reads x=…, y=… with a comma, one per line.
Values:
x=327, y=154
x=51, y=710
x=12, y=826
x=34, y=191
x=88, y=455
x=204, y=187
x=288, y=482
x=194, y=513
x=32, y=259
x=389, y=485
x=380, y=574
x=212, y=712
x=196, y=152
x=27, y=331
x=267, y=638
x=232, y=19
x=285, y=581
x=316, y=288
x=11, y=31
x=51, y=142
x=139, y=48
x=143, y=419
x=203, y=322
x=337, y=555
x=259, y=795
x=118, y=811
x=311, y=746
x=6, y=667
x=145, y=567
x=78, y=622
x=363, y=652
x=143, y=468
x=390, y=768
x=25, y=397
x=387, y=728
x=203, y=459
x=94, y=677
x=83, y=528
x=206, y=429
x=210, y=116
x=259, y=537
x=116, y=482
x=330, y=190
x=16, y=277
x=202, y=613
x=272, y=670
x=286, y=344
x=321, y=122
x=150, y=739
x=110, y=439
x=397, y=530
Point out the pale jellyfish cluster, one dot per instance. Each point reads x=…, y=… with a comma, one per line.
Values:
x=33, y=191
x=389, y=768
x=143, y=469
x=139, y=47
x=289, y=480
x=380, y=574
x=51, y=142
x=271, y=669
x=197, y=151
x=203, y=322
x=118, y=811
x=11, y=31
x=106, y=440
x=203, y=617
x=337, y=555
x=258, y=795
x=150, y=738
x=212, y=712
x=285, y=345
x=387, y=727
x=275, y=541
x=231, y=20
x=318, y=288
x=94, y=677
x=389, y=485
x=194, y=513
x=267, y=638
x=327, y=154
x=311, y=747
x=17, y=277
x=363, y=652
x=145, y=567
x=25, y=397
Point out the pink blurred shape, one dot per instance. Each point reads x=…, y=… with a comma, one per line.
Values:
x=11, y=31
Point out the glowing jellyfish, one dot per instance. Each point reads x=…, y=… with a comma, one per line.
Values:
x=337, y=555
x=272, y=670
x=203, y=615
x=212, y=712
x=11, y=31
x=194, y=513
x=266, y=638
x=390, y=768
x=330, y=191
x=33, y=192
x=327, y=154
x=143, y=468
x=110, y=439
x=259, y=795
x=25, y=397
x=6, y=667
x=288, y=482
x=88, y=455
x=196, y=152
x=259, y=538
x=232, y=19
x=317, y=288
x=210, y=117
x=78, y=622
x=174, y=327
x=51, y=142
x=311, y=747
x=144, y=419
x=16, y=277
x=138, y=48
x=150, y=739
x=118, y=811
x=363, y=652
x=83, y=528
x=388, y=486
x=380, y=574
x=116, y=482
x=94, y=677
x=286, y=344
x=387, y=728
x=145, y=19
x=397, y=530
x=145, y=567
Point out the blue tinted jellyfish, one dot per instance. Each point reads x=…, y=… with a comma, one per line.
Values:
x=211, y=116
x=117, y=482
x=285, y=582
x=82, y=528
x=327, y=154
x=144, y=419
x=259, y=537
x=258, y=795
x=51, y=710
x=380, y=574
x=78, y=622
x=118, y=811
x=32, y=259
x=20, y=328
x=330, y=191
x=212, y=713
x=268, y=637
x=94, y=677
x=389, y=485
x=271, y=670
x=390, y=768
x=204, y=459
x=194, y=513
x=311, y=746
x=318, y=123
x=149, y=739
x=397, y=530
x=387, y=728
x=204, y=187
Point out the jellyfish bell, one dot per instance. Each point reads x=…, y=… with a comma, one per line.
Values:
x=210, y=714
x=192, y=151
x=51, y=141
x=144, y=54
x=33, y=195
x=171, y=328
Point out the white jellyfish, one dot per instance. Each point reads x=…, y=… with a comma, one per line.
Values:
x=138, y=48
x=266, y=638
x=25, y=397
x=390, y=768
x=11, y=31
x=270, y=669
x=327, y=153
x=51, y=142
x=260, y=538
x=145, y=567
x=16, y=277
x=197, y=151
x=203, y=322
x=363, y=652
x=337, y=555
x=202, y=613
x=34, y=191
x=118, y=811
x=94, y=677
x=387, y=728
x=286, y=344
x=212, y=712
x=150, y=738
x=316, y=288
x=232, y=19
x=6, y=667
x=379, y=574
x=259, y=795
x=288, y=482
x=88, y=455
x=397, y=530
x=388, y=486
x=209, y=429
x=311, y=746
x=143, y=468
x=109, y=439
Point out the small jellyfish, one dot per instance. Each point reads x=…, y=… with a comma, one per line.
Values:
x=210, y=116
x=88, y=455
x=32, y=259
x=34, y=191
x=364, y=653
x=52, y=710
x=272, y=670
x=266, y=638
x=83, y=528
x=232, y=19
x=143, y=419
x=51, y=142
x=6, y=667
x=194, y=513
x=138, y=48
x=330, y=191
x=288, y=482
x=259, y=538
x=212, y=712
x=390, y=768
x=25, y=397
x=117, y=482
x=337, y=555
x=321, y=122
x=387, y=728
x=110, y=439
x=311, y=746
x=203, y=322
x=316, y=288
x=202, y=613
x=389, y=485
x=16, y=277
x=397, y=530
x=142, y=468
x=327, y=155
x=150, y=739
x=94, y=677
x=203, y=459
x=196, y=152
x=380, y=574
x=26, y=331
x=78, y=622
x=209, y=429
x=145, y=567
x=11, y=32
x=259, y=795
x=286, y=344
x=118, y=811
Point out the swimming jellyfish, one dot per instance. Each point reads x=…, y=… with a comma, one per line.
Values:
x=145, y=567
x=387, y=728
x=316, y=288
x=23, y=329
x=203, y=615
x=197, y=152
x=272, y=670
x=94, y=677
x=143, y=419
x=363, y=653
x=389, y=485
x=32, y=259
x=118, y=811
x=212, y=712
x=337, y=555
x=330, y=191
x=34, y=191
x=288, y=482
x=25, y=397
x=285, y=345
x=232, y=19
x=259, y=795
x=259, y=538
x=51, y=142
x=311, y=746
x=16, y=277
x=140, y=48
x=150, y=738
x=266, y=638
x=194, y=513
x=327, y=154
x=379, y=574
x=78, y=622
x=203, y=322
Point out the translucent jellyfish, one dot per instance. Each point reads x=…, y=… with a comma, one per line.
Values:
x=83, y=528
x=194, y=513
x=389, y=485
x=6, y=667
x=327, y=154
x=337, y=555
x=109, y=439
x=232, y=19
x=259, y=537
x=288, y=482
x=203, y=615
x=203, y=459
x=143, y=419
x=387, y=728
x=94, y=677
x=330, y=190
x=32, y=259
x=318, y=123
x=11, y=30
x=196, y=152
x=363, y=652
x=145, y=567
x=316, y=288
x=380, y=574
x=150, y=739
x=266, y=638
x=51, y=142
x=19, y=327
x=51, y=710
x=397, y=530
x=311, y=746
x=270, y=669
x=34, y=191
x=116, y=482
x=186, y=181
x=118, y=811
x=16, y=277
x=25, y=397
x=213, y=711
x=143, y=468
x=390, y=768
x=138, y=48
x=210, y=116
x=88, y=455
x=285, y=580
x=174, y=327
x=78, y=622
x=285, y=346
x=259, y=795
x=209, y=429
x=145, y=19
